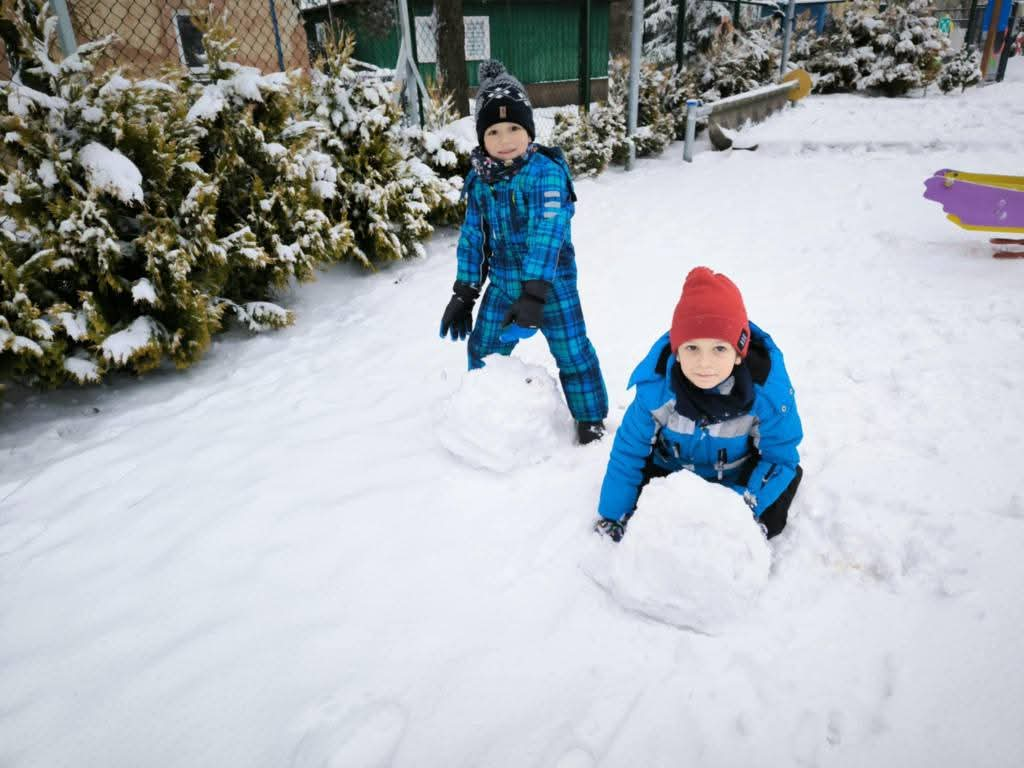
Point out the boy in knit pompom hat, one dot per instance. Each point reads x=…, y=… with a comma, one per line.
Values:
x=713, y=397
x=516, y=236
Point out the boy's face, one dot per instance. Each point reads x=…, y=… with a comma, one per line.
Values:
x=707, y=362
x=506, y=141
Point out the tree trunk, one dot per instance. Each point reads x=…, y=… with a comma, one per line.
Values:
x=451, y=53
x=620, y=14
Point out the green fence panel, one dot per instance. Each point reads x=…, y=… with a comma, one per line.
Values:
x=538, y=41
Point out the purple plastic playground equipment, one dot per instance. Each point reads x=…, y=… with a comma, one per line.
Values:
x=985, y=202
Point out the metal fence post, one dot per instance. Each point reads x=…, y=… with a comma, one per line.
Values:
x=277, y=36
x=635, y=58
x=971, y=24
x=407, y=65
x=585, y=54
x=680, y=33
x=786, y=36
x=691, y=128
x=65, y=30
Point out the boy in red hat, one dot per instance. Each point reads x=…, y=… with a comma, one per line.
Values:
x=712, y=397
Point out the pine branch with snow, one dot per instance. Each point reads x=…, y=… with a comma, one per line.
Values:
x=93, y=172
x=655, y=129
x=443, y=144
x=890, y=52
x=367, y=172
x=961, y=71
x=270, y=226
x=577, y=136
x=705, y=20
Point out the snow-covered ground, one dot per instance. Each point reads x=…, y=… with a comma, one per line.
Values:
x=288, y=556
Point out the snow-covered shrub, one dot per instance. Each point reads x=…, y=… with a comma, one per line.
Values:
x=655, y=129
x=723, y=58
x=831, y=58
x=705, y=21
x=732, y=63
x=134, y=214
x=444, y=144
x=269, y=223
x=889, y=51
x=962, y=70
x=96, y=257
x=575, y=134
x=367, y=172
x=609, y=122
x=907, y=44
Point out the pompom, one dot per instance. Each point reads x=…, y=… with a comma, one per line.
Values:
x=490, y=69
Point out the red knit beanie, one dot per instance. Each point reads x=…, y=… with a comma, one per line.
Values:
x=711, y=307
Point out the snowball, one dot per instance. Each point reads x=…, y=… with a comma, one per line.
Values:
x=693, y=556
x=505, y=416
x=110, y=171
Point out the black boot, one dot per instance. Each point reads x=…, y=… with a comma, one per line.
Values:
x=589, y=431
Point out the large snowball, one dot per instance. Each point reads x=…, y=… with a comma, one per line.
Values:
x=693, y=556
x=506, y=415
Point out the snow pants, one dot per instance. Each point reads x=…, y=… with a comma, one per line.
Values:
x=566, y=334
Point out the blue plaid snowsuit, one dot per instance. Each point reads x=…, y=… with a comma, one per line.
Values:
x=516, y=230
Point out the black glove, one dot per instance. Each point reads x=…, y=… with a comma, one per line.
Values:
x=528, y=310
x=457, y=320
x=613, y=529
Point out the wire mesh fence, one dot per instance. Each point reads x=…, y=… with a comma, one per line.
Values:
x=152, y=36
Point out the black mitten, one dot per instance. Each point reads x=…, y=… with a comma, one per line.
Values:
x=457, y=320
x=613, y=529
x=773, y=520
x=528, y=310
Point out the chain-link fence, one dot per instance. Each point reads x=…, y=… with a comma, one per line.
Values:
x=153, y=35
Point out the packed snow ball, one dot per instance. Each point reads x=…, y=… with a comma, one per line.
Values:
x=505, y=415
x=693, y=556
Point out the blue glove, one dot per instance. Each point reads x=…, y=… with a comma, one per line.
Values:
x=526, y=314
x=515, y=332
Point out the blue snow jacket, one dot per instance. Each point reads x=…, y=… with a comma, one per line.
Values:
x=654, y=428
x=523, y=221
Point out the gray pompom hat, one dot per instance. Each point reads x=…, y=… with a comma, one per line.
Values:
x=501, y=99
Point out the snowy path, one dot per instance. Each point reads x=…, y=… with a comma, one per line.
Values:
x=270, y=560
